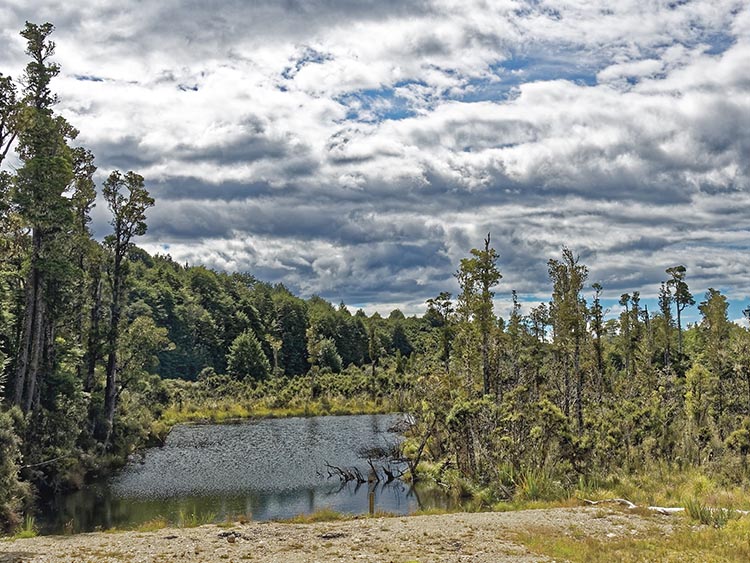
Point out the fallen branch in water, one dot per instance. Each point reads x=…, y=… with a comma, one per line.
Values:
x=346, y=474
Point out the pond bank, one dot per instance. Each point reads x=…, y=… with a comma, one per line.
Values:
x=477, y=537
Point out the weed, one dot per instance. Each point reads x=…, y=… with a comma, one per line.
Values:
x=321, y=515
x=194, y=519
x=158, y=523
x=28, y=530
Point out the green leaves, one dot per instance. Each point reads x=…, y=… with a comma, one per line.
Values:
x=128, y=201
x=246, y=359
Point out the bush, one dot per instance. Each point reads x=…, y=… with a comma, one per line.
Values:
x=12, y=492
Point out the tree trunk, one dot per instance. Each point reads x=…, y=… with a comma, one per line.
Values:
x=26, y=347
x=37, y=351
x=486, y=360
x=566, y=388
x=92, y=347
x=579, y=387
x=110, y=391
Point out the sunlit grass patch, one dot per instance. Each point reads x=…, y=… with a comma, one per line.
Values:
x=194, y=519
x=28, y=529
x=686, y=543
x=153, y=525
x=320, y=515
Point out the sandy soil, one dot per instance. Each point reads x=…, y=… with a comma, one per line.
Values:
x=476, y=537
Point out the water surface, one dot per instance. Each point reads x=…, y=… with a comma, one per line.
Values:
x=263, y=469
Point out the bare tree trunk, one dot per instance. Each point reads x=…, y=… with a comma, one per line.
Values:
x=92, y=347
x=486, y=360
x=37, y=351
x=110, y=397
x=25, y=347
x=110, y=391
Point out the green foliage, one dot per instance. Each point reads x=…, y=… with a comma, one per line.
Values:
x=12, y=491
x=716, y=517
x=246, y=359
x=194, y=519
x=103, y=347
x=28, y=529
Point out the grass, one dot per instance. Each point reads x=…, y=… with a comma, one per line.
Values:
x=330, y=515
x=663, y=485
x=686, y=544
x=153, y=525
x=320, y=515
x=28, y=530
x=194, y=519
x=228, y=410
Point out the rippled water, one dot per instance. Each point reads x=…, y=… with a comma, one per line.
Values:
x=265, y=469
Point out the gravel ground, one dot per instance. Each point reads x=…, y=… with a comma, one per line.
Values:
x=462, y=537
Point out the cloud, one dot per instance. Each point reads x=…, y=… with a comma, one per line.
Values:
x=359, y=151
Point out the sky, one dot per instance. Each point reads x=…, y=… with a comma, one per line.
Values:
x=358, y=150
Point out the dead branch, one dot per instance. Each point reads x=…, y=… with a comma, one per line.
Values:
x=666, y=510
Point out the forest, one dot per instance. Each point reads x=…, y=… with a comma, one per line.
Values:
x=103, y=347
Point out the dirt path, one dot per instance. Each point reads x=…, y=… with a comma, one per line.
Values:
x=476, y=537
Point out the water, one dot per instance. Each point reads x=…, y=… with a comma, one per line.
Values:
x=265, y=469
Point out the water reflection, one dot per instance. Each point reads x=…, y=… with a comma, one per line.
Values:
x=265, y=469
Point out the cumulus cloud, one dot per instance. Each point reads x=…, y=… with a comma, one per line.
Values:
x=359, y=150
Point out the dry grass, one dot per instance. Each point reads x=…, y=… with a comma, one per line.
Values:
x=688, y=543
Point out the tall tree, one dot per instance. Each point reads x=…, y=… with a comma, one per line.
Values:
x=681, y=296
x=477, y=276
x=128, y=201
x=597, y=328
x=665, y=307
x=441, y=309
x=715, y=331
x=41, y=181
x=246, y=359
x=568, y=316
x=83, y=247
x=9, y=110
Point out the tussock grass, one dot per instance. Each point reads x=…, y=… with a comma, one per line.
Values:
x=661, y=485
x=227, y=411
x=686, y=544
x=194, y=519
x=153, y=525
x=28, y=529
x=320, y=515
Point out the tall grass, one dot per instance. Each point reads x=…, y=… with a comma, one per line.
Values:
x=194, y=519
x=28, y=530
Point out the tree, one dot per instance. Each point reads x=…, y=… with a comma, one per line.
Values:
x=246, y=359
x=9, y=110
x=681, y=296
x=665, y=307
x=441, y=309
x=128, y=201
x=715, y=331
x=400, y=341
x=40, y=184
x=85, y=252
x=477, y=276
x=291, y=322
x=597, y=328
x=375, y=351
x=568, y=317
x=12, y=491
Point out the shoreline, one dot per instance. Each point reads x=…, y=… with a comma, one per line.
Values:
x=479, y=537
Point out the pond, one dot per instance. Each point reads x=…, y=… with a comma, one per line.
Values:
x=261, y=469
